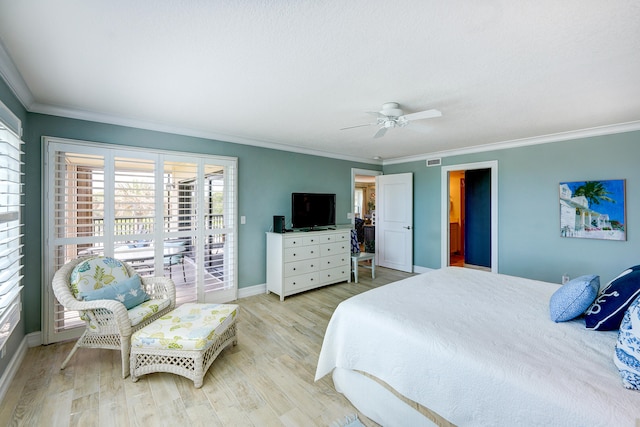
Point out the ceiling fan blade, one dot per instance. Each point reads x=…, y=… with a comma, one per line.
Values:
x=417, y=127
x=380, y=132
x=357, y=126
x=427, y=114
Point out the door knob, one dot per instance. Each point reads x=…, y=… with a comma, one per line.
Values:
x=408, y=227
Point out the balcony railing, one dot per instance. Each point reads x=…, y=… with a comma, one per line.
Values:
x=144, y=224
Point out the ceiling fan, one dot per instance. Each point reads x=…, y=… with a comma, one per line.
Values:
x=391, y=116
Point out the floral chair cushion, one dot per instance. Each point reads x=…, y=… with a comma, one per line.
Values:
x=191, y=326
x=95, y=273
x=142, y=312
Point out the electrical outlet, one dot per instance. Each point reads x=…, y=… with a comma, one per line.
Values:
x=243, y=219
x=349, y=215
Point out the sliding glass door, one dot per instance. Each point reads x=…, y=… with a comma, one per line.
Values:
x=165, y=213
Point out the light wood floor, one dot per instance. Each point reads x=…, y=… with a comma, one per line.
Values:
x=266, y=380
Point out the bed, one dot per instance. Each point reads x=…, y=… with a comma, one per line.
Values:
x=472, y=348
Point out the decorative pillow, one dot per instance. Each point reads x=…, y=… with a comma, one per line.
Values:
x=627, y=356
x=355, y=246
x=129, y=292
x=606, y=312
x=96, y=272
x=573, y=298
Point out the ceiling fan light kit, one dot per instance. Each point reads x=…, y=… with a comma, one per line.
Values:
x=391, y=109
x=391, y=116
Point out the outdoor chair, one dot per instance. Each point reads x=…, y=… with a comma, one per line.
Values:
x=175, y=258
x=113, y=301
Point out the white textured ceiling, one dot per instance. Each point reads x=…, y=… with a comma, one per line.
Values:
x=292, y=73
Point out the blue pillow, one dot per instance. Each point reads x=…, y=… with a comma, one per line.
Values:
x=355, y=246
x=606, y=312
x=573, y=298
x=129, y=292
x=627, y=356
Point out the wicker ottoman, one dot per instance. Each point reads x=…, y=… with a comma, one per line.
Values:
x=185, y=342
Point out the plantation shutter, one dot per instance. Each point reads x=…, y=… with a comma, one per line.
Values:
x=10, y=230
x=77, y=217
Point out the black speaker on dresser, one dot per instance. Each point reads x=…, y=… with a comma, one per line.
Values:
x=278, y=224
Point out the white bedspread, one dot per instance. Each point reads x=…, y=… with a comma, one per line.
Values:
x=480, y=350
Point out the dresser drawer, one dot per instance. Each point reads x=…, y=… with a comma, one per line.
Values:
x=295, y=283
x=293, y=242
x=301, y=253
x=311, y=239
x=345, y=236
x=334, y=248
x=333, y=275
x=334, y=261
x=301, y=267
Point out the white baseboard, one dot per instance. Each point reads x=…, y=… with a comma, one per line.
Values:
x=250, y=291
x=12, y=368
x=420, y=270
x=34, y=339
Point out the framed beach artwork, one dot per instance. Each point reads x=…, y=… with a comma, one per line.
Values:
x=593, y=209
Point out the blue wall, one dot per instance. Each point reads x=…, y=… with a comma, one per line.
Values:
x=529, y=239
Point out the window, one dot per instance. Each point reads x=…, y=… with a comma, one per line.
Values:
x=10, y=228
x=164, y=213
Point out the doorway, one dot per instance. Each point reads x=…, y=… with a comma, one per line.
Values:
x=363, y=202
x=457, y=218
x=469, y=201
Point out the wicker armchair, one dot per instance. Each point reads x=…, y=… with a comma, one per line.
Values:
x=108, y=322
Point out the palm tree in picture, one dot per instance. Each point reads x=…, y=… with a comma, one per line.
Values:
x=595, y=192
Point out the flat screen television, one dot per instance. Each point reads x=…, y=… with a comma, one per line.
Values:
x=313, y=210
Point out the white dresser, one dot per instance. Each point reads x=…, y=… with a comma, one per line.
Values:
x=300, y=261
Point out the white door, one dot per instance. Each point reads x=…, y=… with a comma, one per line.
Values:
x=394, y=221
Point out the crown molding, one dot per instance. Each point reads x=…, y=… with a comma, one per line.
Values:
x=535, y=140
x=13, y=78
x=18, y=86
x=140, y=124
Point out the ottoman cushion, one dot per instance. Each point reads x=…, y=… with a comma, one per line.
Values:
x=191, y=326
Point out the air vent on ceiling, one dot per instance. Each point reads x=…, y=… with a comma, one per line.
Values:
x=434, y=162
